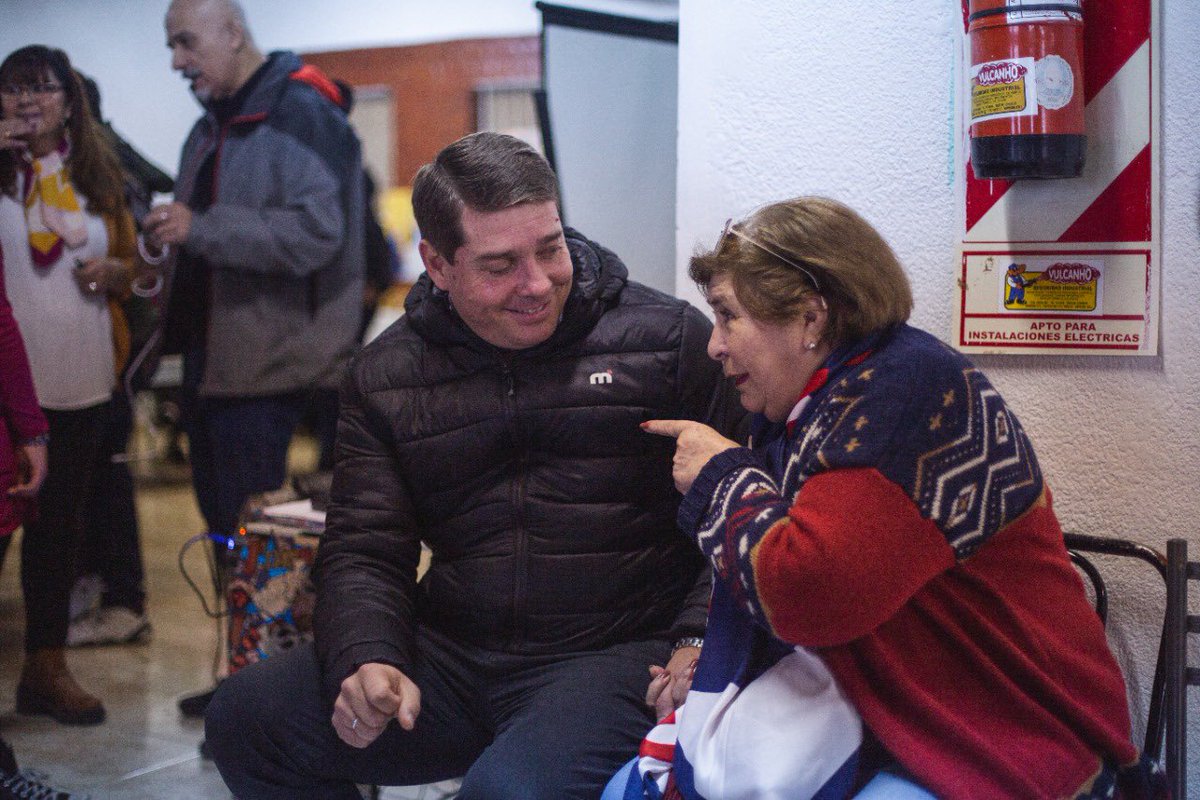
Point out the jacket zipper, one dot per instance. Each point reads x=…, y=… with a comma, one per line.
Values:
x=517, y=498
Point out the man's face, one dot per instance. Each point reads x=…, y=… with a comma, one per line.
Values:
x=510, y=279
x=204, y=40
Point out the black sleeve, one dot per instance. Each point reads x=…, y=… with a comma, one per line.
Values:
x=366, y=566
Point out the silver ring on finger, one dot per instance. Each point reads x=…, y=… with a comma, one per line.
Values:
x=354, y=724
x=93, y=286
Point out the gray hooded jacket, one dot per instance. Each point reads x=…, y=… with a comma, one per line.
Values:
x=280, y=239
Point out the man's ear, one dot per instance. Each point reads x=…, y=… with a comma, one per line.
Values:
x=435, y=265
x=236, y=33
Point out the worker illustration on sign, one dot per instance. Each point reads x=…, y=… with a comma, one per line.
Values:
x=1017, y=282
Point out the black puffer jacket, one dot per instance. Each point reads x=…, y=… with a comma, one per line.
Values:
x=550, y=514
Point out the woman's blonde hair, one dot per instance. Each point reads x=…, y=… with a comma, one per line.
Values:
x=854, y=269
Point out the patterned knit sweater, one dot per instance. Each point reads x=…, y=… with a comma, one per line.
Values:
x=902, y=530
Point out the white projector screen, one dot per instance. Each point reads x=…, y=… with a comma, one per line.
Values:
x=610, y=91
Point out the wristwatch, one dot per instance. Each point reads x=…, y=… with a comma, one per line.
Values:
x=687, y=641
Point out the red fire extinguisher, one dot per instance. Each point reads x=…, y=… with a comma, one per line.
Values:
x=1026, y=80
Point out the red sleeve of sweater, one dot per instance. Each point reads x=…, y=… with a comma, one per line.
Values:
x=851, y=551
x=18, y=402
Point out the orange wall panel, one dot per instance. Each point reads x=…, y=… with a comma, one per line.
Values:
x=432, y=87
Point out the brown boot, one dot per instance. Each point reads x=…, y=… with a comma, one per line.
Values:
x=47, y=687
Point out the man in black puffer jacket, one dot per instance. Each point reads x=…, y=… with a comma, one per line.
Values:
x=498, y=423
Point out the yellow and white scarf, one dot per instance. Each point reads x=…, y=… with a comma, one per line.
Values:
x=53, y=215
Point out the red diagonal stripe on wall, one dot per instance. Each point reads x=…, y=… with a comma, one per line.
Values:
x=1122, y=211
x=1112, y=32
x=982, y=194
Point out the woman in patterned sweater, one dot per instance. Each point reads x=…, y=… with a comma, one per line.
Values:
x=890, y=519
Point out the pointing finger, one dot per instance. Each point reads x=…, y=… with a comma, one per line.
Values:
x=666, y=427
x=410, y=704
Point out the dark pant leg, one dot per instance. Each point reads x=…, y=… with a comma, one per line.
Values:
x=194, y=423
x=238, y=447
x=243, y=445
x=204, y=469
x=323, y=410
x=50, y=546
x=271, y=736
x=201, y=459
x=566, y=727
x=112, y=543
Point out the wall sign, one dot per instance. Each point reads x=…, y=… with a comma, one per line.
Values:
x=1068, y=266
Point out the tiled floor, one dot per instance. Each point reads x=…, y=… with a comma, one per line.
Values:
x=145, y=750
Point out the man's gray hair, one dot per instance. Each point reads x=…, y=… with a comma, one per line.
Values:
x=231, y=9
x=238, y=14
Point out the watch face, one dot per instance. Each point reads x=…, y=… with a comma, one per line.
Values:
x=1055, y=82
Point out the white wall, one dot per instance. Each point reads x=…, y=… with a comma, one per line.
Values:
x=122, y=45
x=779, y=98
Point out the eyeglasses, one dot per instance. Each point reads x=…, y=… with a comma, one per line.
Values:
x=33, y=89
x=731, y=229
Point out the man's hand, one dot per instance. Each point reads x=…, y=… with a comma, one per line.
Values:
x=168, y=224
x=669, y=685
x=695, y=444
x=31, y=470
x=370, y=699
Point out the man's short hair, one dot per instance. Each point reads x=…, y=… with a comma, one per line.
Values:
x=486, y=171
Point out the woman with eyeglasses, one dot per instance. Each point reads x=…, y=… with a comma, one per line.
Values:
x=68, y=244
x=893, y=604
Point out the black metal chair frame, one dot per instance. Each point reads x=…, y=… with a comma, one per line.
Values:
x=1079, y=543
x=1180, y=622
x=1167, y=719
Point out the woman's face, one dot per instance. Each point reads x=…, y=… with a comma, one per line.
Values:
x=770, y=363
x=42, y=106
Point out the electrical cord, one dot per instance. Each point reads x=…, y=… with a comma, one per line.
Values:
x=218, y=611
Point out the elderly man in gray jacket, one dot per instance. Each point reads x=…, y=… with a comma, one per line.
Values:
x=265, y=291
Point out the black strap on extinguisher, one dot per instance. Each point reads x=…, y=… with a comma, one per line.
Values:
x=1069, y=8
